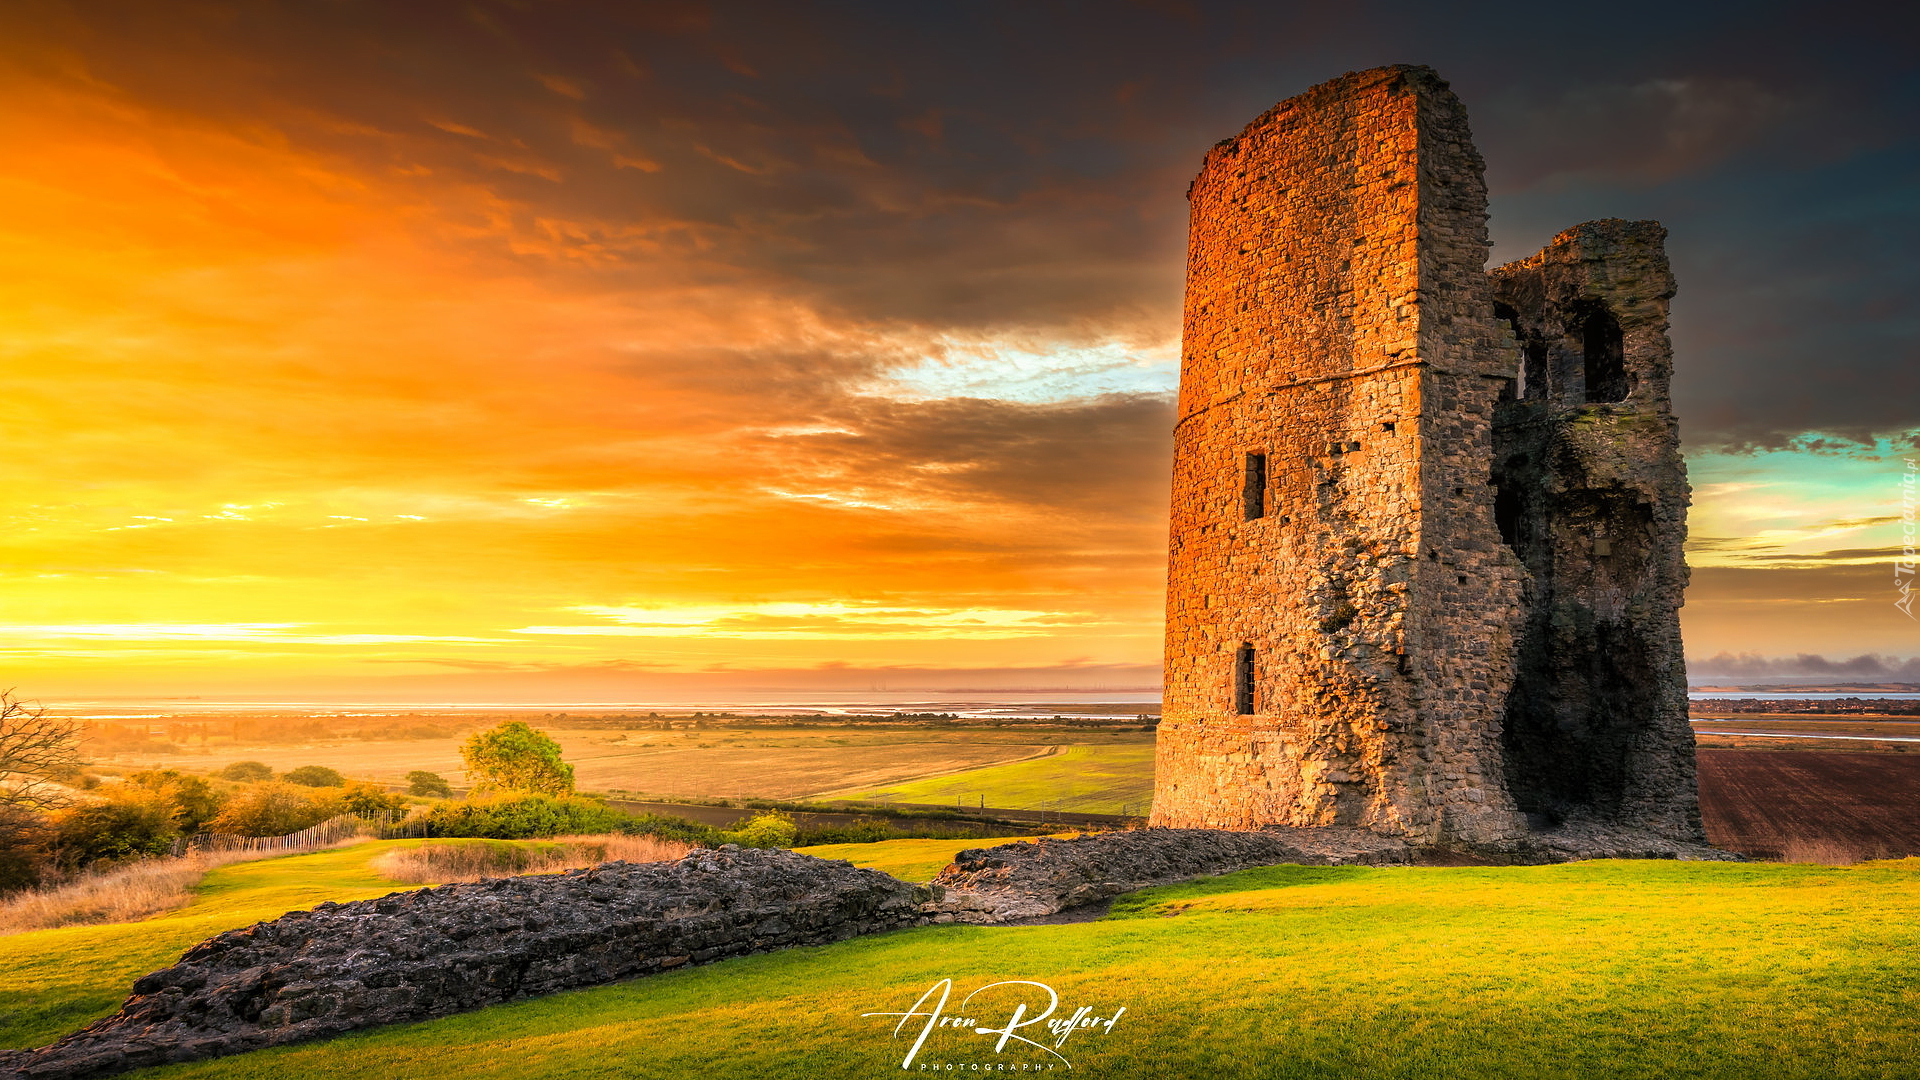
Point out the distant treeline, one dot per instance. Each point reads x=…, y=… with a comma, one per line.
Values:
x=173, y=734
x=1816, y=706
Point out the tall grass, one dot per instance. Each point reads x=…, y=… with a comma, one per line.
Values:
x=440, y=862
x=1830, y=851
x=120, y=894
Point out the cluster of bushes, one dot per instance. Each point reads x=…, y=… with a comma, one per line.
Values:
x=873, y=830
x=517, y=815
x=147, y=813
x=528, y=816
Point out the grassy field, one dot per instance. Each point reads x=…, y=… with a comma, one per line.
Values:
x=1116, y=779
x=1614, y=969
x=55, y=981
x=756, y=762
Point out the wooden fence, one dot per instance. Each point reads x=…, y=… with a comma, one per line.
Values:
x=386, y=826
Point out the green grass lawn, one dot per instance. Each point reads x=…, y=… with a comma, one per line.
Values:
x=1602, y=969
x=908, y=860
x=1084, y=779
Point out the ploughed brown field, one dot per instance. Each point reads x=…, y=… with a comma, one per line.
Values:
x=1811, y=805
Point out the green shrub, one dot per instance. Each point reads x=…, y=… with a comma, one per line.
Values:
x=421, y=782
x=315, y=776
x=873, y=830
x=371, y=800
x=129, y=823
x=766, y=829
x=273, y=809
x=247, y=772
x=673, y=828
x=194, y=798
x=523, y=817
x=26, y=840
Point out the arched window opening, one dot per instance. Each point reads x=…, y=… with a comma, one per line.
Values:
x=1606, y=358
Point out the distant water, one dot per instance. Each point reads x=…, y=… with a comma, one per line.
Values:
x=975, y=705
x=986, y=704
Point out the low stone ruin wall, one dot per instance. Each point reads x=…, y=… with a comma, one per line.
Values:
x=1022, y=881
x=1031, y=880
x=417, y=955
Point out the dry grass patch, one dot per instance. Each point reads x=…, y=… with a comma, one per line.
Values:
x=121, y=894
x=440, y=862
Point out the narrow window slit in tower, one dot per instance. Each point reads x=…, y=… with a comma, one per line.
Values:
x=1243, y=681
x=1254, y=492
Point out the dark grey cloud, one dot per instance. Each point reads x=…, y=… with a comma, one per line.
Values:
x=1867, y=666
x=974, y=167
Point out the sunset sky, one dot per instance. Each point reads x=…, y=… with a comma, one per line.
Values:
x=551, y=349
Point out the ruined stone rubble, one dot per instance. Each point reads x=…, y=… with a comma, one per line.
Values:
x=417, y=955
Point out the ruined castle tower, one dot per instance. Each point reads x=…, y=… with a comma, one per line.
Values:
x=1425, y=566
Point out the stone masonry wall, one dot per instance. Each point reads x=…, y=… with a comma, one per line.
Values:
x=1385, y=603
x=1335, y=296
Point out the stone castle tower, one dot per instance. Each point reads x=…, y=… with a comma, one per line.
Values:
x=1425, y=567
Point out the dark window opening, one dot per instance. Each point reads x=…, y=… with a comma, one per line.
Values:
x=1506, y=515
x=1534, y=378
x=1606, y=359
x=1522, y=386
x=1506, y=314
x=1254, y=493
x=1243, y=681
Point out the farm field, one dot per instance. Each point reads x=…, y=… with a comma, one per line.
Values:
x=757, y=762
x=1079, y=779
x=1616, y=969
x=1793, y=731
x=1815, y=805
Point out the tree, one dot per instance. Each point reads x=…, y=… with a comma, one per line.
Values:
x=35, y=750
x=515, y=757
x=315, y=776
x=422, y=782
x=247, y=772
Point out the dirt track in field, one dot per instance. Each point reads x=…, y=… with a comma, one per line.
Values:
x=1811, y=805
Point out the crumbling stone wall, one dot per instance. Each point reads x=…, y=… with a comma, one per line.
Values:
x=428, y=953
x=1346, y=624
x=1591, y=493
